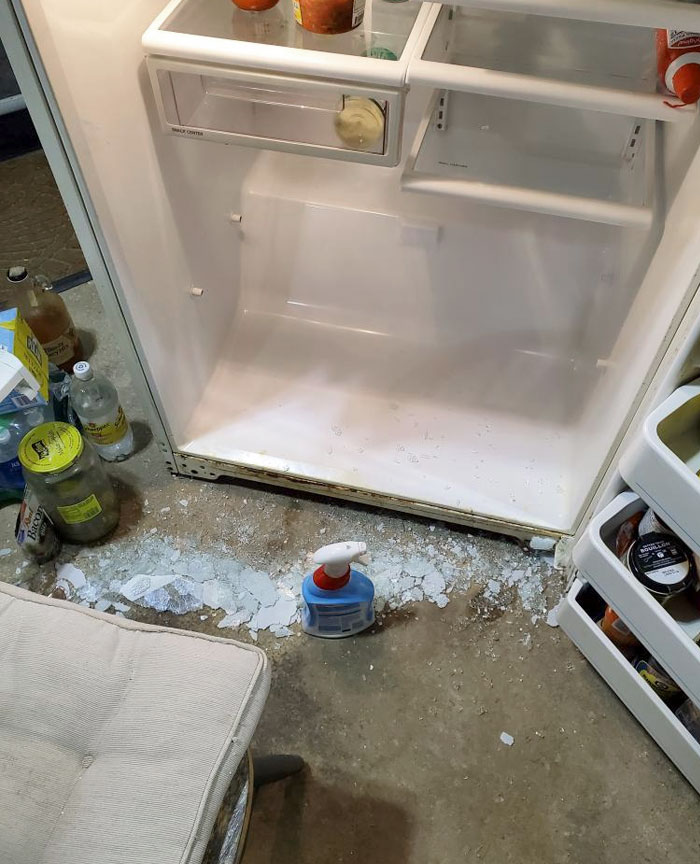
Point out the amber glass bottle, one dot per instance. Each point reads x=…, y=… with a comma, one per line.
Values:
x=47, y=315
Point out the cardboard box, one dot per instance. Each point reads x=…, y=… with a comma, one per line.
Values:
x=24, y=366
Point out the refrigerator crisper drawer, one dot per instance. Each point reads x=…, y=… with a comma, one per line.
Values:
x=663, y=459
x=666, y=631
x=668, y=732
x=529, y=156
x=560, y=61
x=276, y=112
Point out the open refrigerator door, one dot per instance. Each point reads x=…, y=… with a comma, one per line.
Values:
x=654, y=666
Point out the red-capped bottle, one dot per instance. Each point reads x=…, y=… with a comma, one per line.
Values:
x=678, y=58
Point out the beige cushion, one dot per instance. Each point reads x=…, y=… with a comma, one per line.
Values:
x=117, y=739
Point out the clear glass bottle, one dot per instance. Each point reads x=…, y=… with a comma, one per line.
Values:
x=13, y=427
x=69, y=481
x=96, y=402
x=47, y=315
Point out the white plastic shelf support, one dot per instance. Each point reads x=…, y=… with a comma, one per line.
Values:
x=527, y=156
x=672, y=14
x=668, y=732
x=668, y=632
x=662, y=461
x=482, y=51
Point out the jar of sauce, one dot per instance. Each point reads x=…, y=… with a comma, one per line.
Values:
x=662, y=563
x=255, y=5
x=68, y=479
x=329, y=16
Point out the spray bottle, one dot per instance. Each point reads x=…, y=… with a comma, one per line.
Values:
x=338, y=601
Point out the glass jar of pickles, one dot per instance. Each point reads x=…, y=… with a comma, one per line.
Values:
x=67, y=477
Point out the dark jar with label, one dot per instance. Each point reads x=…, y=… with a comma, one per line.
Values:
x=662, y=563
x=68, y=479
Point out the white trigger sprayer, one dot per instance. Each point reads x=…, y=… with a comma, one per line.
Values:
x=338, y=601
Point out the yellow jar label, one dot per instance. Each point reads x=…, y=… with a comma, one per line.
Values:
x=297, y=11
x=83, y=511
x=50, y=448
x=108, y=433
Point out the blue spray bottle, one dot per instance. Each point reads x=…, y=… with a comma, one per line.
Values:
x=338, y=601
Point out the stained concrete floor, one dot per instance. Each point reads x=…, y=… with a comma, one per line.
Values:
x=400, y=727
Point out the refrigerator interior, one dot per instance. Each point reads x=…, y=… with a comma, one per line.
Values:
x=424, y=347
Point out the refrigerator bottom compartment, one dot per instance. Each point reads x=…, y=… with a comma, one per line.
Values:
x=529, y=156
x=419, y=350
x=659, y=721
x=347, y=408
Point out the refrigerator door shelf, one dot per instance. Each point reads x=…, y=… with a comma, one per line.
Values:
x=582, y=64
x=663, y=460
x=529, y=156
x=376, y=53
x=674, y=14
x=277, y=112
x=666, y=631
x=659, y=721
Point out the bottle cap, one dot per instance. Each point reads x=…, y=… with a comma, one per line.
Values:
x=82, y=371
x=16, y=274
x=50, y=448
x=686, y=83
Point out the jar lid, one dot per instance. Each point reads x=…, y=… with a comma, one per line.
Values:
x=50, y=448
x=662, y=563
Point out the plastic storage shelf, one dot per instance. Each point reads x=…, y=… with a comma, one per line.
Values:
x=667, y=631
x=662, y=462
x=272, y=41
x=582, y=64
x=676, y=14
x=529, y=156
x=668, y=732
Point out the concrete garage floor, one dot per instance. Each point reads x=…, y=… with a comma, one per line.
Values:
x=400, y=727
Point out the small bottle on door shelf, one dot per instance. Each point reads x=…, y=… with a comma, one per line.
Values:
x=96, y=402
x=47, y=315
x=678, y=59
x=338, y=601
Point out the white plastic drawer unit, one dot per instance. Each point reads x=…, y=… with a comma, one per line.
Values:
x=668, y=632
x=662, y=462
x=259, y=79
x=577, y=617
x=275, y=112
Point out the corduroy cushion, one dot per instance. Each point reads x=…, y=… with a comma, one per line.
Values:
x=117, y=739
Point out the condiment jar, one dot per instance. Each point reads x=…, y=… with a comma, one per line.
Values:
x=662, y=564
x=68, y=479
x=619, y=633
x=329, y=16
x=255, y=5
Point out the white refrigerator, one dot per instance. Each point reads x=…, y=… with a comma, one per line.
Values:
x=482, y=311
